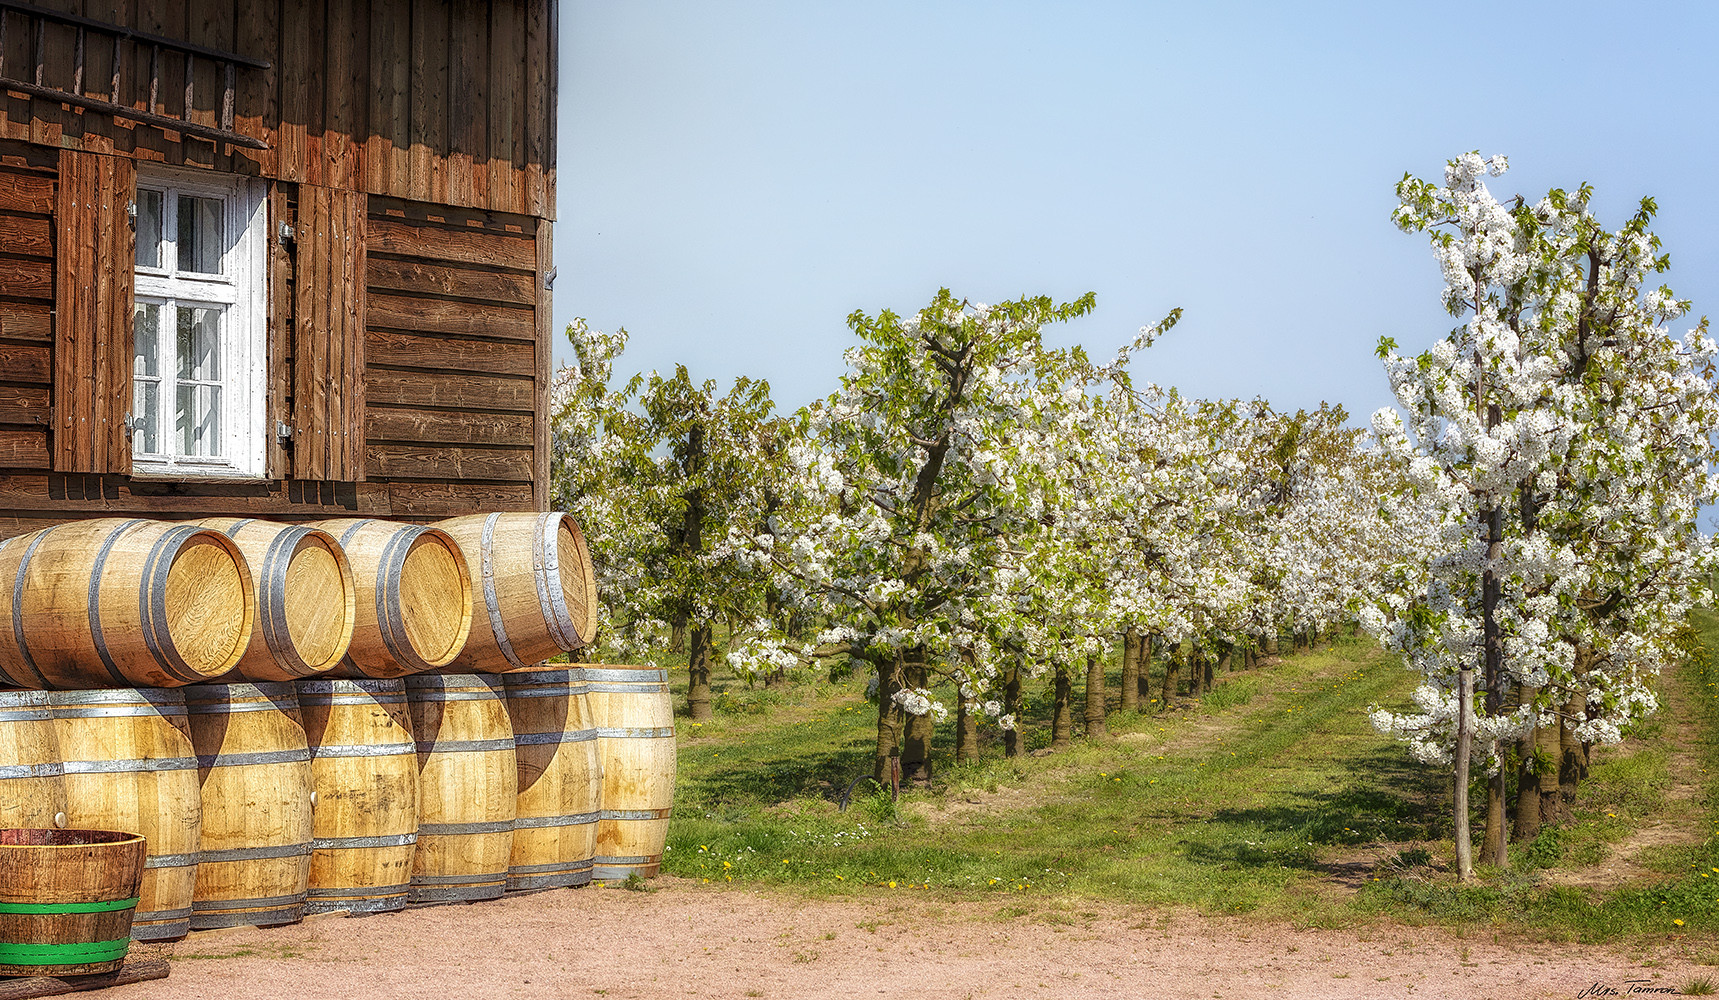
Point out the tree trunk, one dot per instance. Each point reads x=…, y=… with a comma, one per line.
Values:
x=916, y=748
x=1130, y=671
x=698, y=675
x=1207, y=669
x=1012, y=708
x=1172, y=666
x=1062, y=713
x=1527, y=820
x=677, y=636
x=889, y=716
x=1148, y=643
x=1464, y=743
x=1250, y=657
x=1271, y=643
x=966, y=733
x=1572, y=759
x=1226, y=658
x=1095, y=700
x=1547, y=760
x=777, y=678
x=1492, y=849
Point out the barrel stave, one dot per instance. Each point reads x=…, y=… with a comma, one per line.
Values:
x=635, y=736
x=468, y=786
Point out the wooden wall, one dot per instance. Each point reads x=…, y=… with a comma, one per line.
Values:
x=408, y=356
x=450, y=102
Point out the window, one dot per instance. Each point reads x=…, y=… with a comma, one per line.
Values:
x=200, y=377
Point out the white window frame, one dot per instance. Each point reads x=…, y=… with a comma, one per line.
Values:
x=242, y=290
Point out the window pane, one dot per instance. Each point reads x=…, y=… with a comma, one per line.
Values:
x=200, y=242
x=146, y=336
x=144, y=439
x=148, y=228
x=199, y=343
x=197, y=420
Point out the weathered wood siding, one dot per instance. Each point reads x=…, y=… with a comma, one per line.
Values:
x=27, y=196
x=443, y=101
x=451, y=348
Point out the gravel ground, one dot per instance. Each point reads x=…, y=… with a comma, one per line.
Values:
x=685, y=939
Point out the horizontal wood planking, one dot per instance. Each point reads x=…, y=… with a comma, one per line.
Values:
x=490, y=357
x=477, y=319
x=27, y=320
x=386, y=387
x=97, y=496
x=377, y=97
x=447, y=426
x=421, y=278
x=26, y=362
x=25, y=404
x=26, y=235
x=444, y=461
x=461, y=245
x=26, y=192
x=23, y=447
x=437, y=500
x=33, y=279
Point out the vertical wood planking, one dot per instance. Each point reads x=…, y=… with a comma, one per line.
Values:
x=538, y=100
x=293, y=57
x=429, y=117
x=256, y=92
x=209, y=24
x=468, y=103
x=328, y=349
x=506, y=95
x=386, y=168
x=279, y=333
x=347, y=34
x=552, y=112
x=540, y=437
x=92, y=313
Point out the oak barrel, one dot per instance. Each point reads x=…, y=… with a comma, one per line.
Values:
x=305, y=593
x=130, y=765
x=560, y=779
x=32, y=780
x=468, y=786
x=534, y=593
x=414, y=607
x=364, y=769
x=254, y=866
x=66, y=898
x=635, y=738
x=113, y=602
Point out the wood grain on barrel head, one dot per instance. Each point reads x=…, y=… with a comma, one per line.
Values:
x=209, y=603
x=435, y=598
x=319, y=601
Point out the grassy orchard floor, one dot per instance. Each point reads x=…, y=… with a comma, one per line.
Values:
x=1272, y=795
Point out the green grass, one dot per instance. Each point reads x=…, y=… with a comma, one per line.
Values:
x=1270, y=795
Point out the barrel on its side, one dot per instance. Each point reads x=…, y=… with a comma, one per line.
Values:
x=119, y=603
x=130, y=765
x=305, y=594
x=635, y=738
x=66, y=898
x=468, y=786
x=560, y=779
x=414, y=608
x=32, y=782
x=254, y=866
x=364, y=768
x=534, y=592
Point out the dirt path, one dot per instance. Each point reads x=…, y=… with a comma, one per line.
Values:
x=689, y=940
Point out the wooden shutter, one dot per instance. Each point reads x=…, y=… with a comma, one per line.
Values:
x=328, y=335
x=94, y=257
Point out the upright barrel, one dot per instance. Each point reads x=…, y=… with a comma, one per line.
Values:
x=560, y=779
x=254, y=867
x=32, y=781
x=364, y=769
x=305, y=594
x=635, y=738
x=534, y=592
x=119, y=603
x=130, y=765
x=414, y=607
x=66, y=898
x=468, y=787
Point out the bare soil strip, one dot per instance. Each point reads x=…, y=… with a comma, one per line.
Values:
x=690, y=940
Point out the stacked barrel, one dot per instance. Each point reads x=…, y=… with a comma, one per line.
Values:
x=347, y=715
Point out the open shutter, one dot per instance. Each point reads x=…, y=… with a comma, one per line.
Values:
x=94, y=257
x=328, y=335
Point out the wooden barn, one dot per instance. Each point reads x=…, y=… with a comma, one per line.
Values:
x=276, y=258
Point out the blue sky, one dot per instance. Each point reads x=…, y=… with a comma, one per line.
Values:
x=736, y=178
